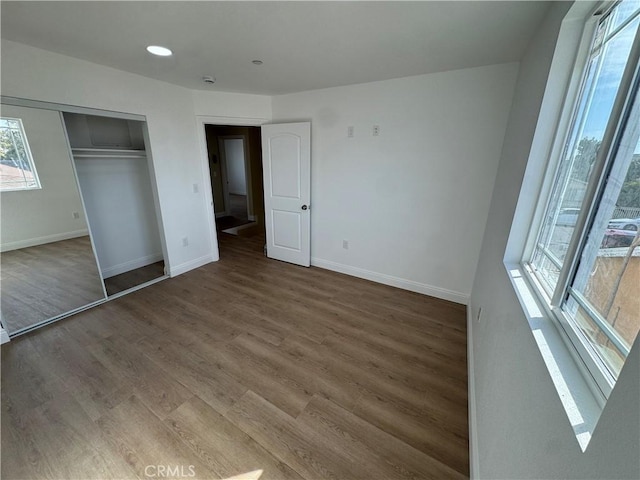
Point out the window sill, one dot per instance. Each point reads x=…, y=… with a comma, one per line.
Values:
x=581, y=403
x=19, y=189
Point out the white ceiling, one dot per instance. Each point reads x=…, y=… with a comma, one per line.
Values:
x=304, y=45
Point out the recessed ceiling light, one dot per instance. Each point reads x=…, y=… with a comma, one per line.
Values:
x=158, y=50
x=257, y=62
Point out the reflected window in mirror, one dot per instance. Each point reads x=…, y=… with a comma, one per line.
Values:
x=17, y=170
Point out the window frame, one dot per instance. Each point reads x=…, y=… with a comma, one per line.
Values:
x=597, y=373
x=30, y=160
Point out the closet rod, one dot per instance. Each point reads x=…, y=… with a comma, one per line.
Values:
x=109, y=150
x=79, y=155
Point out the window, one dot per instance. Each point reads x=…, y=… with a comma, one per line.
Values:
x=585, y=261
x=17, y=170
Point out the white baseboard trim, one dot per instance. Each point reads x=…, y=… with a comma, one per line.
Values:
x=131, y=265
x=474, y=461
x=190, y=265
x=385, y=279
x=4, y=336
x=32, y=242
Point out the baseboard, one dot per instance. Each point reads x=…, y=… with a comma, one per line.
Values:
x=385, y=279
x=185, y=267
x=4, y=336
x=33, y=242
x=131, y=265
x=474, y=465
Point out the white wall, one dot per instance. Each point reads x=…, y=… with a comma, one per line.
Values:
x=231, y=105
x=413, y=201
x=119, y=201
x=521, y=429
x=33, y=217
x=84, y=130
x=170, y=113
x=234, y=156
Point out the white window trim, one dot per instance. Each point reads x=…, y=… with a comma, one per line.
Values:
x=583, y=397
x=27, y=148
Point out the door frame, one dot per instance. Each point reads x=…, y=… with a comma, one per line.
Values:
x=202, y=121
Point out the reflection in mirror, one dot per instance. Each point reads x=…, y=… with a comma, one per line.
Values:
x=48, y=266
x=114, y=175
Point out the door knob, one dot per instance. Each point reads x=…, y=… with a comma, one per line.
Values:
x=304, y=207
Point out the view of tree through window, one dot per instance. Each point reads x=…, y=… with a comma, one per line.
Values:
x=601, y=297
x=17, y=171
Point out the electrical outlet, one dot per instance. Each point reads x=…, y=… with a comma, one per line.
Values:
x=376, y=130
x=76, y=215
x=345, y=244
x=195, y=188
x=350, y=132
x=185, y=241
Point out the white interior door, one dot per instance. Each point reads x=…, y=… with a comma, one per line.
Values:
x=286, y=158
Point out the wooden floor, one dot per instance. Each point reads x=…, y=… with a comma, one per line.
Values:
x=47, y=280
x=247, y=364
x=133, y=278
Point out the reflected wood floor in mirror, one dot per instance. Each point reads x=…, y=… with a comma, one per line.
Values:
x=242, y=365
x=47, y=280
x=133, y=278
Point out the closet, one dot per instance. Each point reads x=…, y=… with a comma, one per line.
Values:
x=114, y=174
x=80, y=213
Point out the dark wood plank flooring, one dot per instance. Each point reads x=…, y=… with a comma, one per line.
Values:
x=133, y=278
x=245, y=365
x=47, y=280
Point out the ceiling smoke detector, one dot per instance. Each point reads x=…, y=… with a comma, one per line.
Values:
x=208, y=79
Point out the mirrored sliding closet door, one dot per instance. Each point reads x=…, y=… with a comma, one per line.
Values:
x=48, y=266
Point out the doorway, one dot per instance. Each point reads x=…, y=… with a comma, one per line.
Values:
x=235, y=168
x=234, y=160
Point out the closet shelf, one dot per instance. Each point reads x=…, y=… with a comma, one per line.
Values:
x=107, y=153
